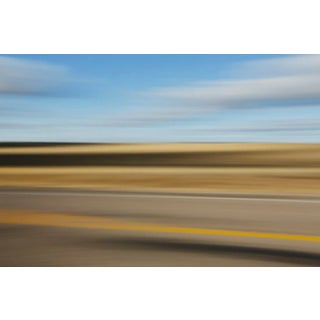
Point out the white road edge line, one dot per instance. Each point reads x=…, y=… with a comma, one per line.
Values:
x=132, y=195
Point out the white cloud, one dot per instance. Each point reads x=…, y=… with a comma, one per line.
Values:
x=297, y=64
x=235, y=92
x=296, y=125
x=281, y=79
x=26, y=77
x=261, y=83
x=256, y=84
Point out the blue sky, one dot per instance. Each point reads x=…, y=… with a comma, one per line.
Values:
x=145, y=98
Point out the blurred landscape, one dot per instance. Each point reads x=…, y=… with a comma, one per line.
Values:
x=159, y=160
x=182, y=167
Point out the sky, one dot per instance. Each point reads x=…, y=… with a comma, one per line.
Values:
x=160, y=98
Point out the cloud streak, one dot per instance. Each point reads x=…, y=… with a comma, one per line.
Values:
x=276, y=82
x=295, y=125
x=26, y=77
x=282, y=79
x=234, y=93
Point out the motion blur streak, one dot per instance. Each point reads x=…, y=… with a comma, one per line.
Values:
x=160, y=160
x=57, y=227
x=71, y=221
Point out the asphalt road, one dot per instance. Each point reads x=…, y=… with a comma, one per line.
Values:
x=87, y=228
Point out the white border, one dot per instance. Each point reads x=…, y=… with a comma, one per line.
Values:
x=159, y=293
x=166, y=26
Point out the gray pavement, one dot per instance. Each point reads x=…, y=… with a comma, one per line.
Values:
x=22, y=245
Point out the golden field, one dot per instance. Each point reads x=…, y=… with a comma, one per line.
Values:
x=184, y=167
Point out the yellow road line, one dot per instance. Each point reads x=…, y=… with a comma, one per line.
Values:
x=37, y=218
